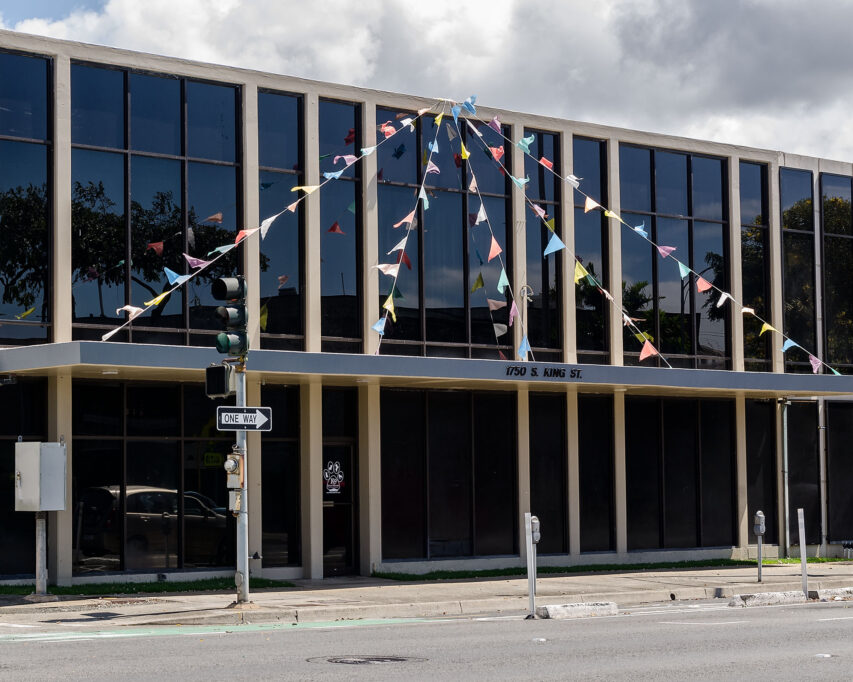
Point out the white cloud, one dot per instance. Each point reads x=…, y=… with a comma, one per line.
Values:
x=751, y=72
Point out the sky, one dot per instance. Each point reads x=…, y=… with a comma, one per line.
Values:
x=774, y=74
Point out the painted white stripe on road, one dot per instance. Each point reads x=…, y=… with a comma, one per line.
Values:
x=699, y=622
x=16, y=625
x=840, y=618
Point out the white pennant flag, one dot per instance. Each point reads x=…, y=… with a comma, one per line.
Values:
x=473, y=186
x=473, y=129
x=481, y=214
x=723, y=298
x=132, y=309
x=401, y=245
x=265, y=226
x=388, y=269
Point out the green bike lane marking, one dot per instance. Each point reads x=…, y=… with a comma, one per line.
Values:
x=130, y=631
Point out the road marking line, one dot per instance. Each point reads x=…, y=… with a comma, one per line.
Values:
x=840, y=618
x=674, y=622
x=16, y=625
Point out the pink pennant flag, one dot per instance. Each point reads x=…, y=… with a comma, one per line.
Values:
x=242, y=234
x=495, y=305
x=215, y=218
x=590, y=204
x=282, y=280
x=292, y=207
x=432, y=168
x=497, y=152
x=648, y=351
x=495, y=125
x=473, y=186
x=408, y=219
x=196, y=262
x=386, y=128
x=702, y=284
x=815, y=363
x=349, y=159
x=538, y=210
x=548, y=164
x=336, y=228
x=495, y=250
x=664, y=251
x=513, y=313
x=156, y=247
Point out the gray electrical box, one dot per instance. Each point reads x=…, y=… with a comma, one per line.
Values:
x=40, y=476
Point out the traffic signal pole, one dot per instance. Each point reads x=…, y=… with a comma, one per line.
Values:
x=243, y=513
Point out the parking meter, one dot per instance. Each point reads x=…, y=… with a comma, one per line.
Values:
x=759, y=529
x=534, y=529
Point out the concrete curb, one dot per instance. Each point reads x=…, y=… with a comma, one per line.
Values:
x=768, y=598
x=836, y=594
x=579, y=610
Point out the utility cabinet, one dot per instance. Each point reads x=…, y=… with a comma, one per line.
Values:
x=40, y=476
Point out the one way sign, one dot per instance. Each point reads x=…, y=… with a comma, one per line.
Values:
x=243, y=418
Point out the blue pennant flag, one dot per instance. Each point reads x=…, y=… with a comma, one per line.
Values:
x=554, y=244
x=789, y=344
x=455, y=111
x=433, y=147
x=379, y=326
x=519, y=183
x=334, y=175
x=523, y=348
x=171, y=275
x=469, y=104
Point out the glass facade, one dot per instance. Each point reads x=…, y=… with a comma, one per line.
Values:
x=595, y=468
x=25, y=148
x=678, y=199
x=837, y=222
x=761, y=464
x=282, y=311
x=755, y=263
x=155, y=164
x=798, y=264
x=839, y=465
x=548, y=476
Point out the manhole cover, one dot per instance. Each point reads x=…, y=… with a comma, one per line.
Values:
x=365, y=660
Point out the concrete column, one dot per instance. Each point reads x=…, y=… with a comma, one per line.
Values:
x=567, y=227
x=60, y=546
x=614, y=253
x=311, y=468
x=251, y=211
x=743, y=512
x=573, y=472
x=369, y=478
x=817, y=204
x=523, y=436
x=519, y=245
x=620, y=488
x=370, y=234
x=311, y=204
x=254, y=460
x=61, y=206
x=735, y=267
x=777, y=300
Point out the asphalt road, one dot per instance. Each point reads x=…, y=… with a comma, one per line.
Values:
x=671, y=641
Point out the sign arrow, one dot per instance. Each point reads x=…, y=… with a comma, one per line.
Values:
x=243, y=418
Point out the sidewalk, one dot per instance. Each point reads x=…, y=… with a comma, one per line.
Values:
x=365, y=598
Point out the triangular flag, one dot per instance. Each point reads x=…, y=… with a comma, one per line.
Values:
x=265, y=226
x=421, y=112
x=683, y=269
x=590, y=204
x=500, y=329
x=389, y=306
x=815, y=363
x=367, y=151
x=397, y=293
x=513, y=313
x=292, y=207
x=111, y=333
x=503, y=282
x=519, y=182
x=225, y=248
x=400, y=245
x=464, y=153
x=723, y=298
x=641, y=230
x=523, y=348
x=495, y=125
x=408, y=219
x=433, y=146
x=538, y=210
x=573, y=180
x=453, y=110
x=451, y=134
x=408, y=122
x=423, y=196
x=545, y=162
x=495, y=305
x=580, y=272
x=438, y=118
x=336, y=228
x=196, y=262
x=554, y=244
x=308, y=189
x=242, y=234
x=767, y=328
x=333, y=176
x=551, y=224
x=481, y=215
x=626, y=321
x=664, y=251
x=748, y=311
x=495, y=249
x=388, y=269
x=215, y=218
x=387, y=129
x=648, y=350
x=611, y=214
x=835, y=372
x=473, y=128
x=157, y=299
x=432, y=168
x=702, y=285
x=497, y=152
x=404, y=257
x=524, y=143
x=132, y=309
x=263, y=317
x=469, y=104
x=351, y=208
x=478, y=283
x=472, y=187
x=26, y=313
x=379, y=326
x=171, y=275
x=789, y=343
x=349, y=159
x=643, y=336
x=156, y=247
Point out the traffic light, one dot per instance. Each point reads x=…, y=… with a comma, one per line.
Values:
x=234, y=340
x=218, y=380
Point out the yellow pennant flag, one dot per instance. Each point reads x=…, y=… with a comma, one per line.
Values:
x=767, y=328
x=305, y=188
x=438, y=123
x=551, y=224
x=156, y=300
x=464, y=153
x=24, y=314
x=580, y=271
x=389, y=306
x=263, y=317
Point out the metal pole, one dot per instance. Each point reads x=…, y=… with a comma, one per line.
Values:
x=41, y=553
x=759, y=558
x=802, y=523
x=531, y=565
x=785, y=512
x=243, y=514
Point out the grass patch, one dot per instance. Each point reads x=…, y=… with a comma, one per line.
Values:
x=796, y=560
x=591, y=568
x=96, y=589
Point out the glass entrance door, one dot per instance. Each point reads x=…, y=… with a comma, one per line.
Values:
x=339, y=510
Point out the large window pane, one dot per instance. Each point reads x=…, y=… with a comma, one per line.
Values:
x=795, y=188
x=637, y=288
x=394, y=203
x=710, y=262
x=97, y=106
x=680, y=472
x=839, y=463
x=642, y=448
x=281, y=519
x=543, y=316
x=96, y=478
x=209, y=528
x=634, y=178
x=670, y=183
x=339, y=266
x=99, y=236
x=155, y=114
x=707, y=188
x=279, y=123
x=444, y=279
x=17, y=544
x=753, y=194
x=548, y=470
x=838, y=299
x=490, y=176
x=803, y=471
x=589, y=301
x=544, y=184
x=718, y=473
x=674, y=293
x=211, y=121
x=837, y=213
x=153, y=411
x=798, y=279
x=595, y=468
x=482, y=318
x=753, y=254
x=398, y=158
x=761, y=464
x=23, y=96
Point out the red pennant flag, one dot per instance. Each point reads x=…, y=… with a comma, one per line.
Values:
x=157, y=247
x=404, y=258
x=457, y=159
x=215, y=218
x=497, y=152
x=548, y=164
x=335, y=228
x=648, y=351
x=350, y=138
x=503, y=357
x=702, y=284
